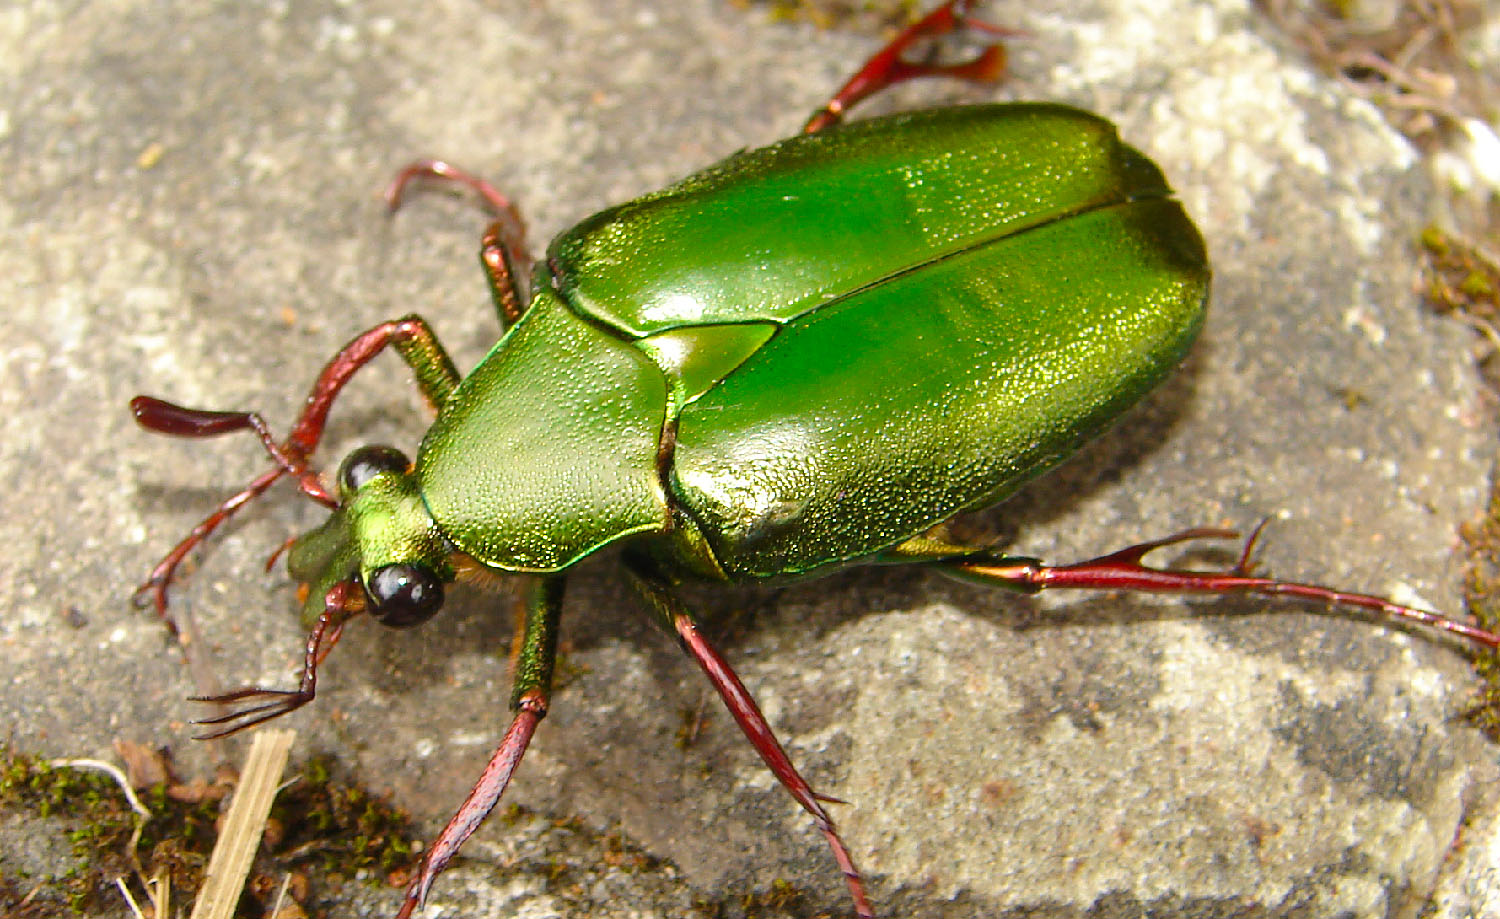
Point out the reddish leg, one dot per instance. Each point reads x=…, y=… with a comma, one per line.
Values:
x=503, y=249
x=747, y=715
x=412, y=338
x=888, y=66
x=479, y=803
x=1123, y=570
x=266, y=704
x=533, y=688
x=165, y=570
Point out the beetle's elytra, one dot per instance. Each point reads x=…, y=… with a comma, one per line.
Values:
x=727, y=415
x=806, y=356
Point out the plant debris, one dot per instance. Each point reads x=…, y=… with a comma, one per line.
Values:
x=323, y=830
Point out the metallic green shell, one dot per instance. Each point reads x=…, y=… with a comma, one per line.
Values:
x=548, y=450
x=887, y=412
x=769, y=234
x=849, y=336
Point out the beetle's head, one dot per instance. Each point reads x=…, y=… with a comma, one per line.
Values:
x=382, y=538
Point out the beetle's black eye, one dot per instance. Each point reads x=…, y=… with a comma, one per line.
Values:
x=402, y=596
x=366, y=463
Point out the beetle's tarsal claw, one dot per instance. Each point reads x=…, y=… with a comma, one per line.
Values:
x=153, y=593
x=148, y=593
x=891, y=64
x=1246, y=565
x=1134, y=554
x=265, y=704
x=416, y=895
x=273, y=704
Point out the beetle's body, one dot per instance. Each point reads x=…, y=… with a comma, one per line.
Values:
x=813, y=351
x=806, y=356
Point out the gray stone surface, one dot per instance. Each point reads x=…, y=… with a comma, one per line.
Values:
x=1083, y=756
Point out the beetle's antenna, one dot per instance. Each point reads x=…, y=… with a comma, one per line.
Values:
x=166, y=418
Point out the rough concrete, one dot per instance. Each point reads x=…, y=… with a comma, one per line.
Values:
x=187, y=209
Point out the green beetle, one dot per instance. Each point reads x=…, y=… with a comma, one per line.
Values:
x=807, y=356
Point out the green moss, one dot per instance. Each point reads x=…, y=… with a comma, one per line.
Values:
x=865, y=15
x=782, y=899
x=99, y=825
x=1482, y=593
x=1458, y=280
x=327, y=824
x=322, y=827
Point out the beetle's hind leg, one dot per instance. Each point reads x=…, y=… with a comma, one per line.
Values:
x=889, y=65
x=659, y=596
x=1125, y=570
x=502, y=251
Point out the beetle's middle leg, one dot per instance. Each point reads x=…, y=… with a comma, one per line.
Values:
x=658, y=594
x=502, y=252
x=532, y=691
x=413, y=340
x=1125, y=570
x=889, y=65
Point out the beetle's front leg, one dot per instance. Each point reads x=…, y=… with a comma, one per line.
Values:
x=261, y=705
x=412, y=338
x=1125, y=570
x=532, y=690
x=662, y=601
